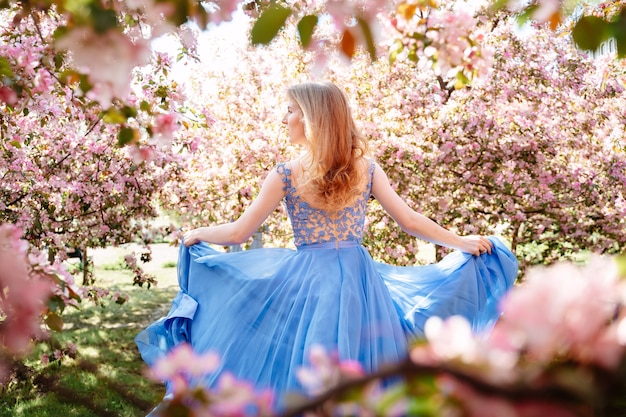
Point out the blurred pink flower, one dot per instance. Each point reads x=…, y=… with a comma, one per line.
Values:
x=546, y=9
x=452, y=341
x=351, y=369
x=234, y=397
x=224, y=10
x=163, y=130
x=8, y=95
x=182, y=364
x=165, y=124
x=326, y=370
x=188, y=38
x=140, y=153
x=22, y=297
x=563, y=310
x=108, y=59
x=452, y=338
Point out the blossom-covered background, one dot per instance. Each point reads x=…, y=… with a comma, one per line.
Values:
x=492, y=117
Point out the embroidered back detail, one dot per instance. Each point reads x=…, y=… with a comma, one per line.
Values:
x=314, y=225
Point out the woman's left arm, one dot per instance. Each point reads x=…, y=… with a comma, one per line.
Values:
x=240, y=230
x=419, y=225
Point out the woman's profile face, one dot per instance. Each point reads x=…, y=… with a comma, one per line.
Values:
x=294, y=119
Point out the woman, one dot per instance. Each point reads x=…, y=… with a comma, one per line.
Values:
x=263, y=309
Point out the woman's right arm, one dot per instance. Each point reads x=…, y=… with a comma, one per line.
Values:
x=417, y=224
x=241, y=229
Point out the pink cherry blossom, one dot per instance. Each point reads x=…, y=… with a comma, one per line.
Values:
x=163, y=130
x=8, y=95
x=234, y=397
x=93, y=52
x=451, y=338
x=183, y=362
x=22, y=296
x=452, y=341
x=223, y=10
x=326, y=370
x=563, y=310
x=531, y=151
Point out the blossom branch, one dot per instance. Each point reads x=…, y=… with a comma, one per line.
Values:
x=43, y=41
x=409, y=369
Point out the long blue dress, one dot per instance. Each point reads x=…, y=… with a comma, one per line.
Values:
x=263, y=309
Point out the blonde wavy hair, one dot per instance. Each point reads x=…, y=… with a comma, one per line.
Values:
x=333, y=172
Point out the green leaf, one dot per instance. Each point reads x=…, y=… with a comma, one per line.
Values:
x=526, y=15
x=269, y=24
x=461, y=80
x=79, y=9
x=589, y=32
x=145, y=106
x=126, y=136
x=621, y=265
x=130, y=20
x=114, y=116
x=421, y=406
x=54, y=321
x=369, y=38
x=498, y=4
x=55, y=304
x=103, y=19
x=392, y=396
x=306, y=26
x=59, y=60
x=618, y=30
x=5, y=68
x=129, y=111
x=621, y=47
x=84, y=83
x=395, y=51
x=60, y=32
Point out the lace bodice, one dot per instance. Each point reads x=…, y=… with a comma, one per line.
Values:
x=312, y=225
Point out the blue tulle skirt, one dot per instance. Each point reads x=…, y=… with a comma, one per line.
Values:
x=263, y=309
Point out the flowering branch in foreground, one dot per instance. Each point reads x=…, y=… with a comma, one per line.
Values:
x=23, y=295
x=558, y=350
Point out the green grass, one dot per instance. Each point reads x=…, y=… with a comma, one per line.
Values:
x=119, y=265
x=106, y=377
x=169, y=264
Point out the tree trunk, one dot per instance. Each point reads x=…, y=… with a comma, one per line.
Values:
x=515, y=237
x=84, y=262
x=440, y=252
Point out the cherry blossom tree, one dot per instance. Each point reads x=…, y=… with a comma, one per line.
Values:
x=532, y=151
x=237, y=133
x=536, y=142
x=96, y=32
x=535, y=150
x=65, y=179
x=29, y=288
